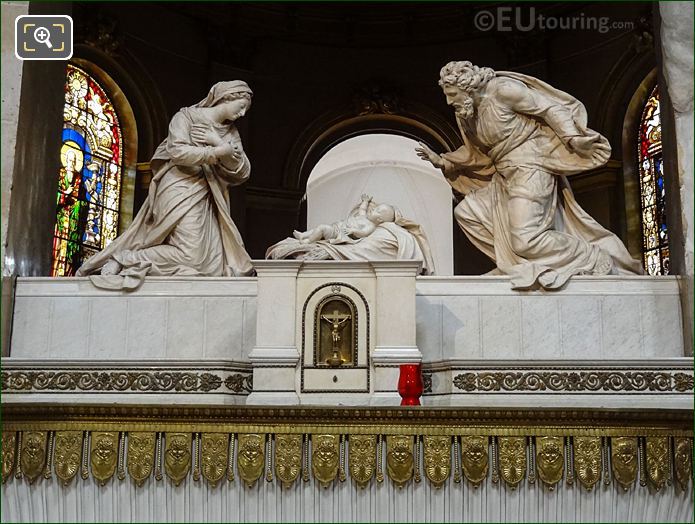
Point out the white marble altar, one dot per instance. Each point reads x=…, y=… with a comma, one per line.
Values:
x=210, y=329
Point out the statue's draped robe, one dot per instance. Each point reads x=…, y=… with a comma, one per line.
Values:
x=518, y=207
x=184, y=227
x=401, y=239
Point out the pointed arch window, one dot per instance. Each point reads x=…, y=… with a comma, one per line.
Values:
x=90, y=176
x=653, y=195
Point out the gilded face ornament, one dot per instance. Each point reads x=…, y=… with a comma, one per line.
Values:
x=474, y=458
x=512, y=460
x=362, y=458
x=250, y=459
x=437, y=459
x=104, y=455
x=624, y=460
x=549, y=459
x=587, y=460
x=324, y=459
x=68, y=450
x=177, y=458
x=33, y=455
x=399, y=458
x=288, y=458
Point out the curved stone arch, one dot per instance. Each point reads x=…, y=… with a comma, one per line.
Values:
x=417, y=122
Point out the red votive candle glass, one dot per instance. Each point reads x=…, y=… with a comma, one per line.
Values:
x=410, y=384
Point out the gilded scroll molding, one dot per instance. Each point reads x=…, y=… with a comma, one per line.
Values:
x=609, y=381
x=122, y=381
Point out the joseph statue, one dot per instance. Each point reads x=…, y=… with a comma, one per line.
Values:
x=521, y=139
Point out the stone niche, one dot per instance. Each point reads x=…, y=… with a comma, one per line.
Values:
x=335, y=340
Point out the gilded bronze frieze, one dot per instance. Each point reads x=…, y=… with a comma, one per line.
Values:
x=586, y=381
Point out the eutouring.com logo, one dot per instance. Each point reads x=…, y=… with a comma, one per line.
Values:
x=508, y=18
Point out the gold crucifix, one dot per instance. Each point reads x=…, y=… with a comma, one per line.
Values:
x=337, y=322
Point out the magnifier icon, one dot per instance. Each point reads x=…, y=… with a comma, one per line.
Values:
x=42, y=36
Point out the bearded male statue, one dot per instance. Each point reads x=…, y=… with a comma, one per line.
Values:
x=521, y=139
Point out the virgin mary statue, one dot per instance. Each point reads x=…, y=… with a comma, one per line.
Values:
x=184, y=227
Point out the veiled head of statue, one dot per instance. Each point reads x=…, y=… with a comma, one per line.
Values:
x=225, y=91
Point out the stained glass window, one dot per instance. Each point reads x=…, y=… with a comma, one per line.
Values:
x=651, y=169
x=89, y=180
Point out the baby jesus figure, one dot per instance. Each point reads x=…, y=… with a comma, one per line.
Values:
x=361, y=224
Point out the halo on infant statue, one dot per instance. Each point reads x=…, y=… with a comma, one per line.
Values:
x=392, y=237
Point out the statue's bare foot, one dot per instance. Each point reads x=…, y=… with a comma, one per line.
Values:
x=111, y=268
x=298, y=235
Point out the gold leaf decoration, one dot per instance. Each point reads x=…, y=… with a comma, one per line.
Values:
x=141, y=451
x=324, y=458
x=587, y=460
x=362, y=458
x=288, y=458
x=437, y=459
x=399, y=458
x=68, y=452
x=658, y=469
x=474, y=458
x=214, y=448
x=549, y=460
x=251, y=458
x=624, y=460
x=683, y=460
x=177, y=457
x=512, y=460
x=9, y=452
x=104, y=455
x=33, y=454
